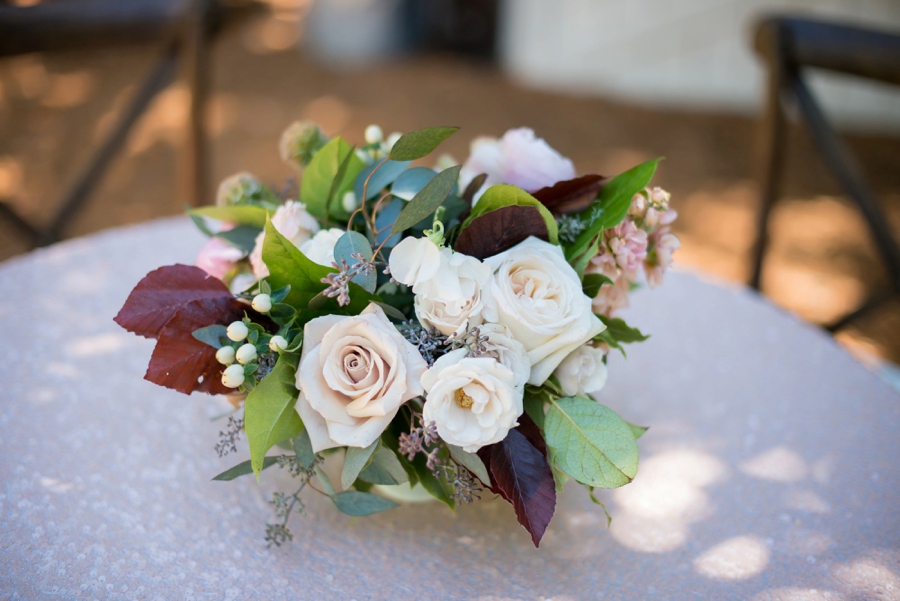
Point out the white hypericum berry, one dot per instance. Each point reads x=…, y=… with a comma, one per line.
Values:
x=237, y=331
x=262, y=303
x=391, y=140
x=246, y=354
x=278, y=344
x=373, y=134
x=233, y=376
x=225, y=355
x=349, y=201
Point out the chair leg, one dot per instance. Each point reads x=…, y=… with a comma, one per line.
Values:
x=159, y=78
x=197, y=55
x=772, y=152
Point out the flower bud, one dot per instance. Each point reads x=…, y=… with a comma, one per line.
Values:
x=349, y=201
x=246, y=354
x=262, y=303
x=225, y=355
x=233, y=376
x=300, y=142
x=237, y=189
x=237, y=331
x=278, y=344
x=373, y=134
x=391, y=140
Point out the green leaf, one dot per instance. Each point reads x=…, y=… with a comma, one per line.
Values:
x=580, y=263
x=269, y=415
x=240, y=214
x=391, y=312
x=638, y=431
x=356, y=503
x=597, y=501
x=435, y=486
x=592, y=282
x=417, y=144
x=504, y=195
x=620, y=331
x=243, y=237
x=611, y=205
x=471, y=462
x=592, y=443
x=327, y=486
x=316, y=187
x=303, y=449
x=535, y=400
x=384, y=468
x=411, y=182
x=382, y=175
x=351, y=243
x=559, y=477
x=355, y=460
x=427, y=200
x=242, y=469
x=211, y=335
x=288, y=266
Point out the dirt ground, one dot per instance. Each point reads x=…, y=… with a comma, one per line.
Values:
x=54, y=110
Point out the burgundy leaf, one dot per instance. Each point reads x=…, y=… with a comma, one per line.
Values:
x=183, y=363
x=164, y=291
x=473, y=187
x=500, y=230
x=572, y=195
x=521, y=475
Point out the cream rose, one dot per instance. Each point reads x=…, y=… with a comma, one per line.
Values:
x=451, y=300
x=583, y=371
x=355, y=373
x=294, y=223
x=508, y=351
x=414, y=260
x=537, y=295
x=320, y=248
x=472, y=400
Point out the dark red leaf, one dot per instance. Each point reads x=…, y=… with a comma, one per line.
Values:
x=500, y=230
x=164, y=291
x=183, y=363
x=571, y=195
x=473, y=187
x=521, y=475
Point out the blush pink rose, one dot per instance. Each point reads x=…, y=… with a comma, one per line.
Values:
x=217, y=257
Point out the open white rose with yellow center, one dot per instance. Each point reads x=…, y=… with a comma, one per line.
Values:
x=451, y=300
x=537, y=295
x=583, y=371
x=473, y=401
x=354, y=374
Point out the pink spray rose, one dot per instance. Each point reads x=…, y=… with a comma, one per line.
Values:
x=217, y=257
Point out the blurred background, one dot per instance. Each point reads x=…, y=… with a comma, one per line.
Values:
x=608, y=83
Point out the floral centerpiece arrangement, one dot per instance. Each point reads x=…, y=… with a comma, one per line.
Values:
x=441, y=329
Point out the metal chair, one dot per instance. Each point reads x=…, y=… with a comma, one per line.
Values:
x=788, y=46
x=182, y=28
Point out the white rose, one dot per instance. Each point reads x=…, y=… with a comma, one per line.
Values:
x=472, y=400
x=538, y=296
x=414, y=260
x=355, y=373
x=294, y=223
x=583, y=371
x=507, y=350
x=451, y=300
x=320, y=248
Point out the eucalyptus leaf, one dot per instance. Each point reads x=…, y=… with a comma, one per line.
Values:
x=385, y=218
x=211, y=335
x=391, y=312
x=242, y=469
x=427, y=200
x=356, y=503
x=242, y=237
x=419, y=143
x=411, y=182
x=471, y=462
x=355, y=460
x=384, y=468
x=303, y=449
x=592, y=443
x=269, y=415
x=352, y=243
x=327, y=486
x=383, y=175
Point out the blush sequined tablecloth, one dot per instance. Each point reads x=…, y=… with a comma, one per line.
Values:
x=771, y=470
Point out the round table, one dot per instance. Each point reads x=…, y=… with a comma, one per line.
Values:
x=771, y=469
